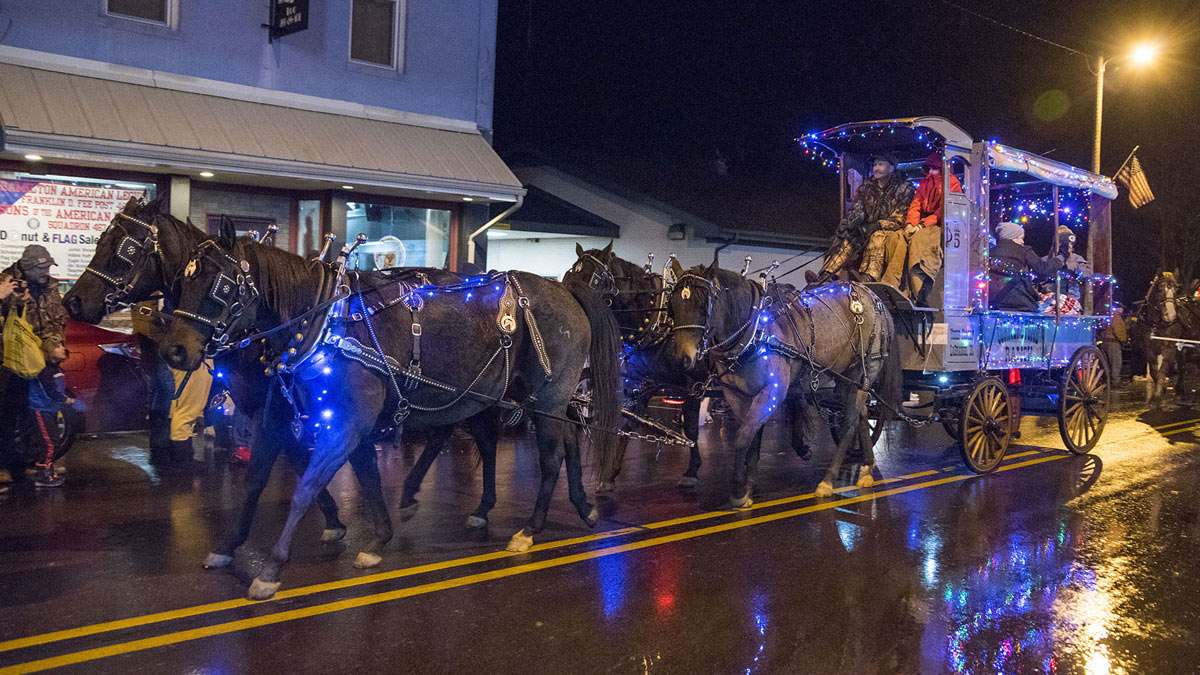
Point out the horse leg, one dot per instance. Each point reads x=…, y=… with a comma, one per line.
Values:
x=855, y=403
x=691, y=429
x=334, y=528
x=366, y=469
x=551, y=452
x=330, y=454
x=586, y=510
x=753, y=415
x=264, y=449
x=434, y=444
x=752, y=455
x=866, y=477
x=485, y=427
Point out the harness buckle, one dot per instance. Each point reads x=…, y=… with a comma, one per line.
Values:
x=416, y=329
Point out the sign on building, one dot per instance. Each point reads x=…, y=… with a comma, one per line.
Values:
x=287, y=17
x=67, y=219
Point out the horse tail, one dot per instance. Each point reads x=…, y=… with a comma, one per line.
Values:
x=889, y=386
x=605, y=368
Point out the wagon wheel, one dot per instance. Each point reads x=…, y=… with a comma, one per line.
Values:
x=985, y=425
x=1083, y=400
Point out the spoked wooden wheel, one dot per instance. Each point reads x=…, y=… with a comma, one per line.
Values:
x=985, y=425
x=1083, y=400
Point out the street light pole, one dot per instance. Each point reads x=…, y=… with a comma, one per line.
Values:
x=1100, y=65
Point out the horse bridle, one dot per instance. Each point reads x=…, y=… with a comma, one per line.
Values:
x=132, y=251
x=714, y=289
x=233, y=294
x=604, y=284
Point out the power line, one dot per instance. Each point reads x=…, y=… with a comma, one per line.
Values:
x=1013, y=28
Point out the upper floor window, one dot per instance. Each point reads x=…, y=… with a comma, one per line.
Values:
x=161, y=12
x=376, y=32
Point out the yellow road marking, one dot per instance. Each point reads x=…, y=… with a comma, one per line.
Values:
x=197, y=610
x=376, y=598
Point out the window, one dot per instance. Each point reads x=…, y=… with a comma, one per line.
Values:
x=163, y=12
x=376, y=32
x=398, y=236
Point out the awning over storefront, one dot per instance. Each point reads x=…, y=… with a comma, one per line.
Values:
x=76, y=118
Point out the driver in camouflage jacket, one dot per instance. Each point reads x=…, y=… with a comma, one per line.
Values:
x=877, y=212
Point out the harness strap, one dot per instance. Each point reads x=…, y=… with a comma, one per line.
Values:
x=535, y=334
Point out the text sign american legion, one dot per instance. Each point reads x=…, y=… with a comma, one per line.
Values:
x=67, y=219
x=288, y=16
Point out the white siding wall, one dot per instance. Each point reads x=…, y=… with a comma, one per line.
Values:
x=643, y=230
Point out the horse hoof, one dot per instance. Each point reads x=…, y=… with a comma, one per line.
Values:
x=519, y=543
x=825, y=489
x=866, y=480
x=476, y=523
x=216, y=561
x=593, y=517
x=606, y=487
x=332, y=534
x=743, y=502
x=366, y=560
x=262, y=590
x=687, y=482
x=407, y=512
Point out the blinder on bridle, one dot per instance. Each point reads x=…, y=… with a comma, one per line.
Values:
x=602, y=281
x=232, y=295
x=685, y=292
x=131, y=252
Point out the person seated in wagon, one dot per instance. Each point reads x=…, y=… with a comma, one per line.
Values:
x=1013, y=267
x=872, y=228
x=923, y=229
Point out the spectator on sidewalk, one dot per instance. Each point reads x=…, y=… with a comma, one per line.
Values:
x=47, y=400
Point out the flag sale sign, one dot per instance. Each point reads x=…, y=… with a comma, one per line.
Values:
x=67, y=219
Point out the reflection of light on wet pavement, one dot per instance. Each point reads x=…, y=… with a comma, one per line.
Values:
x=131, y=454
x=759, y=607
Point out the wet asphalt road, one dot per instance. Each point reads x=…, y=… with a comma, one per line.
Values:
x=1055, y=564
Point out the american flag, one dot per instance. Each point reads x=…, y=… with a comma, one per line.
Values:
x=1132, y=177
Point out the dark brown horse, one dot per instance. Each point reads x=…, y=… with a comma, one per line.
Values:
x=1166, y=314
x=778, y=345
x=380, y=367
x=143, y=253
x=638, y=299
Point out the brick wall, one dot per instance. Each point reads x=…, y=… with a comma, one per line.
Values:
x=207, y=201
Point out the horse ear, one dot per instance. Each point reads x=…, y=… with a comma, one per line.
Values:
x=131, y=207
x=156, y=206
x=608, y=249
x=578, y=250
x=227, y=236
x=676, y=268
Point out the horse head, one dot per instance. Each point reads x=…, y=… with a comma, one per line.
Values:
x=690, y=307
x=594, y=268
x=126, y=266
x=217, y=299
x=1161, y=297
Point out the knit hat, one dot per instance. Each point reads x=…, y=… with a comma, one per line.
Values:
x=50, y=343
x=1065, y=233
x=35, y=255
x=934, y=160
x=1008, y=230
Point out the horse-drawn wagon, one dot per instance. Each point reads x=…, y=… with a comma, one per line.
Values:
x=973, y=366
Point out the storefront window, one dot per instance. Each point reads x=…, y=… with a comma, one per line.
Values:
x=65, y=214
x=398, y=236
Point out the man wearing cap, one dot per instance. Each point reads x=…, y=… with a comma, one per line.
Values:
x=37, y=292
x=923, y=228
x=1013, y=266
x=875, y=218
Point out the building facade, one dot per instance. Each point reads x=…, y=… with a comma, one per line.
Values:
x=373, y=116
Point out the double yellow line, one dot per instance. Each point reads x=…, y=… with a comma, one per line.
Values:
x=423, y=589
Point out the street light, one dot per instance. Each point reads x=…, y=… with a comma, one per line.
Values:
x=1142, y=55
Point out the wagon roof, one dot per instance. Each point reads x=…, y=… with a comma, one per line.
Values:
x=932, y=132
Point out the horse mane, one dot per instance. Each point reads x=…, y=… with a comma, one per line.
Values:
x=285, y=280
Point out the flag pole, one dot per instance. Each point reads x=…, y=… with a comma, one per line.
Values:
x=1131, y=153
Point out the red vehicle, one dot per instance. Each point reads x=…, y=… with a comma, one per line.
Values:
x=104, y=372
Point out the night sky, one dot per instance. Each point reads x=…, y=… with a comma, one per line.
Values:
x=674, y=83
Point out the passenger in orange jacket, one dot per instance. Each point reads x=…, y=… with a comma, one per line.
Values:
x=923, y=229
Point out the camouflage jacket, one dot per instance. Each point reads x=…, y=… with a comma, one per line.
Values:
x=44, y=310
x=878, y=206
